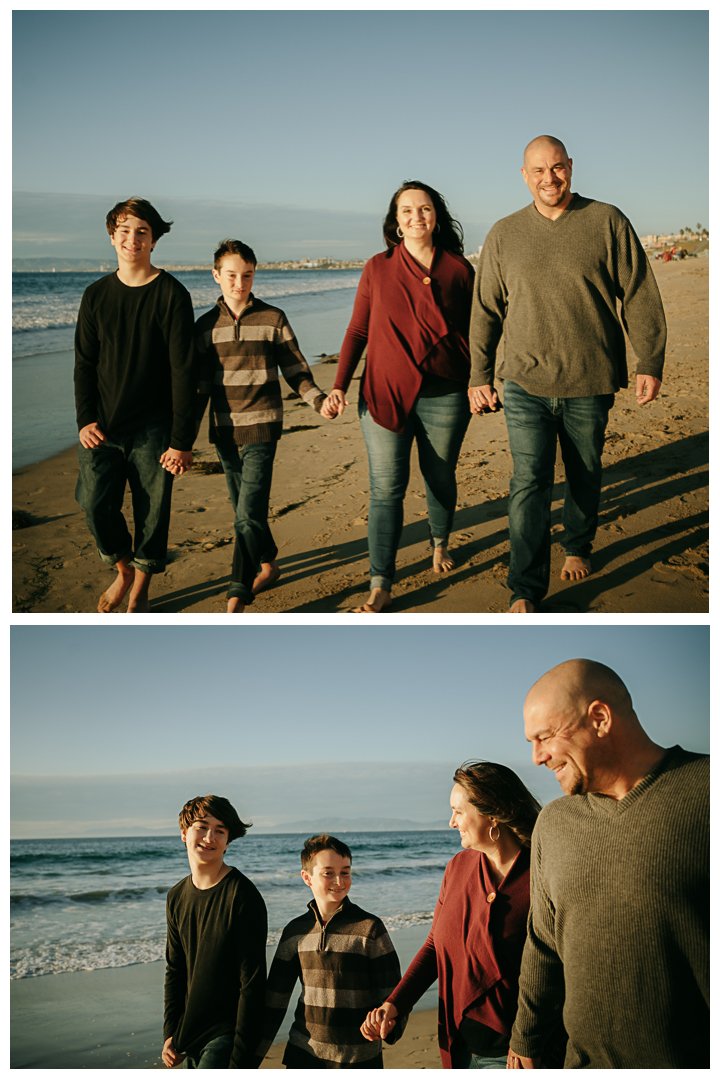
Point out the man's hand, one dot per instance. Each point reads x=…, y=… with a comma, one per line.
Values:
x=333, y=405
x=91, y=436
x=482, y=399
x=514, y=1061
x=176, y=461
x=379, y=1022
x=647, y=388
x=170, y=1056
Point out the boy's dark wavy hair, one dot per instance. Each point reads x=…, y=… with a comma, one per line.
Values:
x=220, y=808
x=322, y=842
x=233, y=247
x=450, y=233
x=140, y=208
x=496, y=791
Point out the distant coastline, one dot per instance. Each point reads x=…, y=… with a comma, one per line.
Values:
x=69, y=266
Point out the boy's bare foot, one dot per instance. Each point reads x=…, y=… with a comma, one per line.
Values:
x=442, y=561
x=269, y=573
x=235, y=605
x=575, y=568
x=521, y=606
x=380, y=600
x=138, y=607
x=113, y=597
x=139, y=597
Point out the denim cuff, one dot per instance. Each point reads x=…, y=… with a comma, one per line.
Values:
x=148, y=566
x=238, y=591
x=112, y=560
x=379, y=582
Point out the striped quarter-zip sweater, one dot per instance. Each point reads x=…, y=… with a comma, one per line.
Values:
x=347, y=967
x=240, y=364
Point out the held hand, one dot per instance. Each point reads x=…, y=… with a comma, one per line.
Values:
x=335, y=404
x=482, y=399
x=514, y=1061
x=91, y=436
x=379, y=1022
x=170, y=1056
x=647, y=388
x=176, y=461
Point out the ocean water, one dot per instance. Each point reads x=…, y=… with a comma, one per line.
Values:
x=318, y=304
x=85, y=904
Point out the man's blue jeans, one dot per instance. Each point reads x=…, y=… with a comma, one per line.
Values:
x=534, y=425
x=248, y=473
x=438, y=424
x=104, y=472
x=214, y=1055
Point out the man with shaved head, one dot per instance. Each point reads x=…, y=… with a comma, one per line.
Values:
x=550, y=281
x=618, y=932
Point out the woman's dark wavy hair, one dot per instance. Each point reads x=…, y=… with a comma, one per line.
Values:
x=496, y=791
x=450, y=235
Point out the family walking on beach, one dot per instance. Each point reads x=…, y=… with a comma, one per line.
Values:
x=574, y=936
x=550, y=280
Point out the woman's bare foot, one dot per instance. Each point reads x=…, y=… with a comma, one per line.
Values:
x=380, y=600
x=113, y=597
x=575, y=568
x=442, y=561
x=235, y=606
x=524, y=606
x=269, y=573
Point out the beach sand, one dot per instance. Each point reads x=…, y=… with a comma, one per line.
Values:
x=650, y=553
x=113, y=1018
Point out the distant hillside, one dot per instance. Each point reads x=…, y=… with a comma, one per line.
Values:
x=336, y=825
x=49, y=265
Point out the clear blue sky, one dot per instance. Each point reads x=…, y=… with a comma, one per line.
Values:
x=151, y=699
x=330, y=110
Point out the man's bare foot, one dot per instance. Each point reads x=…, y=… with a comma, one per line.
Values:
x=380, y=600
x=442, y=561
x=235, y=605
x=575, y=568
x=269, y=573
x=139, y=603
x=113, y=597
x=522, y=606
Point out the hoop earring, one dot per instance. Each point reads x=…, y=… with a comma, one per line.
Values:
x=494, y=838
x=400, y=232
x=437, y=227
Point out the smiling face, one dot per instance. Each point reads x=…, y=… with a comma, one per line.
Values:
x=207, y=840
x=547, y=171
x=133, y=242
x=473, y=826
x=235, y=278
x=563, y=744
x=416, y=214
x=329, y=877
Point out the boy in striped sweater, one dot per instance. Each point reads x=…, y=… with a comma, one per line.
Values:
x=243, y=345
x=346, y=963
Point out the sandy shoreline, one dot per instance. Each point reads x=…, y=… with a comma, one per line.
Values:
x=113, y=1018
x=650, y=553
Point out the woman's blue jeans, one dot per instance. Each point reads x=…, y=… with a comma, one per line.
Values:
x=248, y=474
x=438, y=425
x=534, y=426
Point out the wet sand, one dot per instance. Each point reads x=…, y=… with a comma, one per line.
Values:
x=650, y=553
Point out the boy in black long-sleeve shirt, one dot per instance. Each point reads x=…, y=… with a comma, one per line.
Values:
x=135, y=385
x=217, y=931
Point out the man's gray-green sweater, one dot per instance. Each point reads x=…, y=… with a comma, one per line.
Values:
x=618, y=931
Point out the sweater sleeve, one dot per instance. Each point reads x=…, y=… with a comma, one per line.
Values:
x=295, y=367
x=183, y=370
x=643, y=315
x=175, y=978
x=489, y=307
x=423, y=971
x=284, y=973
x=251, y=978
x=356, y=335
x=542, y=984
x=206, y=372
x=87, y=354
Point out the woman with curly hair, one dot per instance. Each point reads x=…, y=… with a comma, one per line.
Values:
x=412, y=312
x=475, y=944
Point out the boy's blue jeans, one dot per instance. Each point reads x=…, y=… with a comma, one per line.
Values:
x=438, y=424
x=100, y=491
x=534, y=425
x=214, y=1055
x=248, y=473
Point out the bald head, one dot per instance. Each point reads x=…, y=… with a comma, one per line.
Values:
x=542, y=144
x=571, y=687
